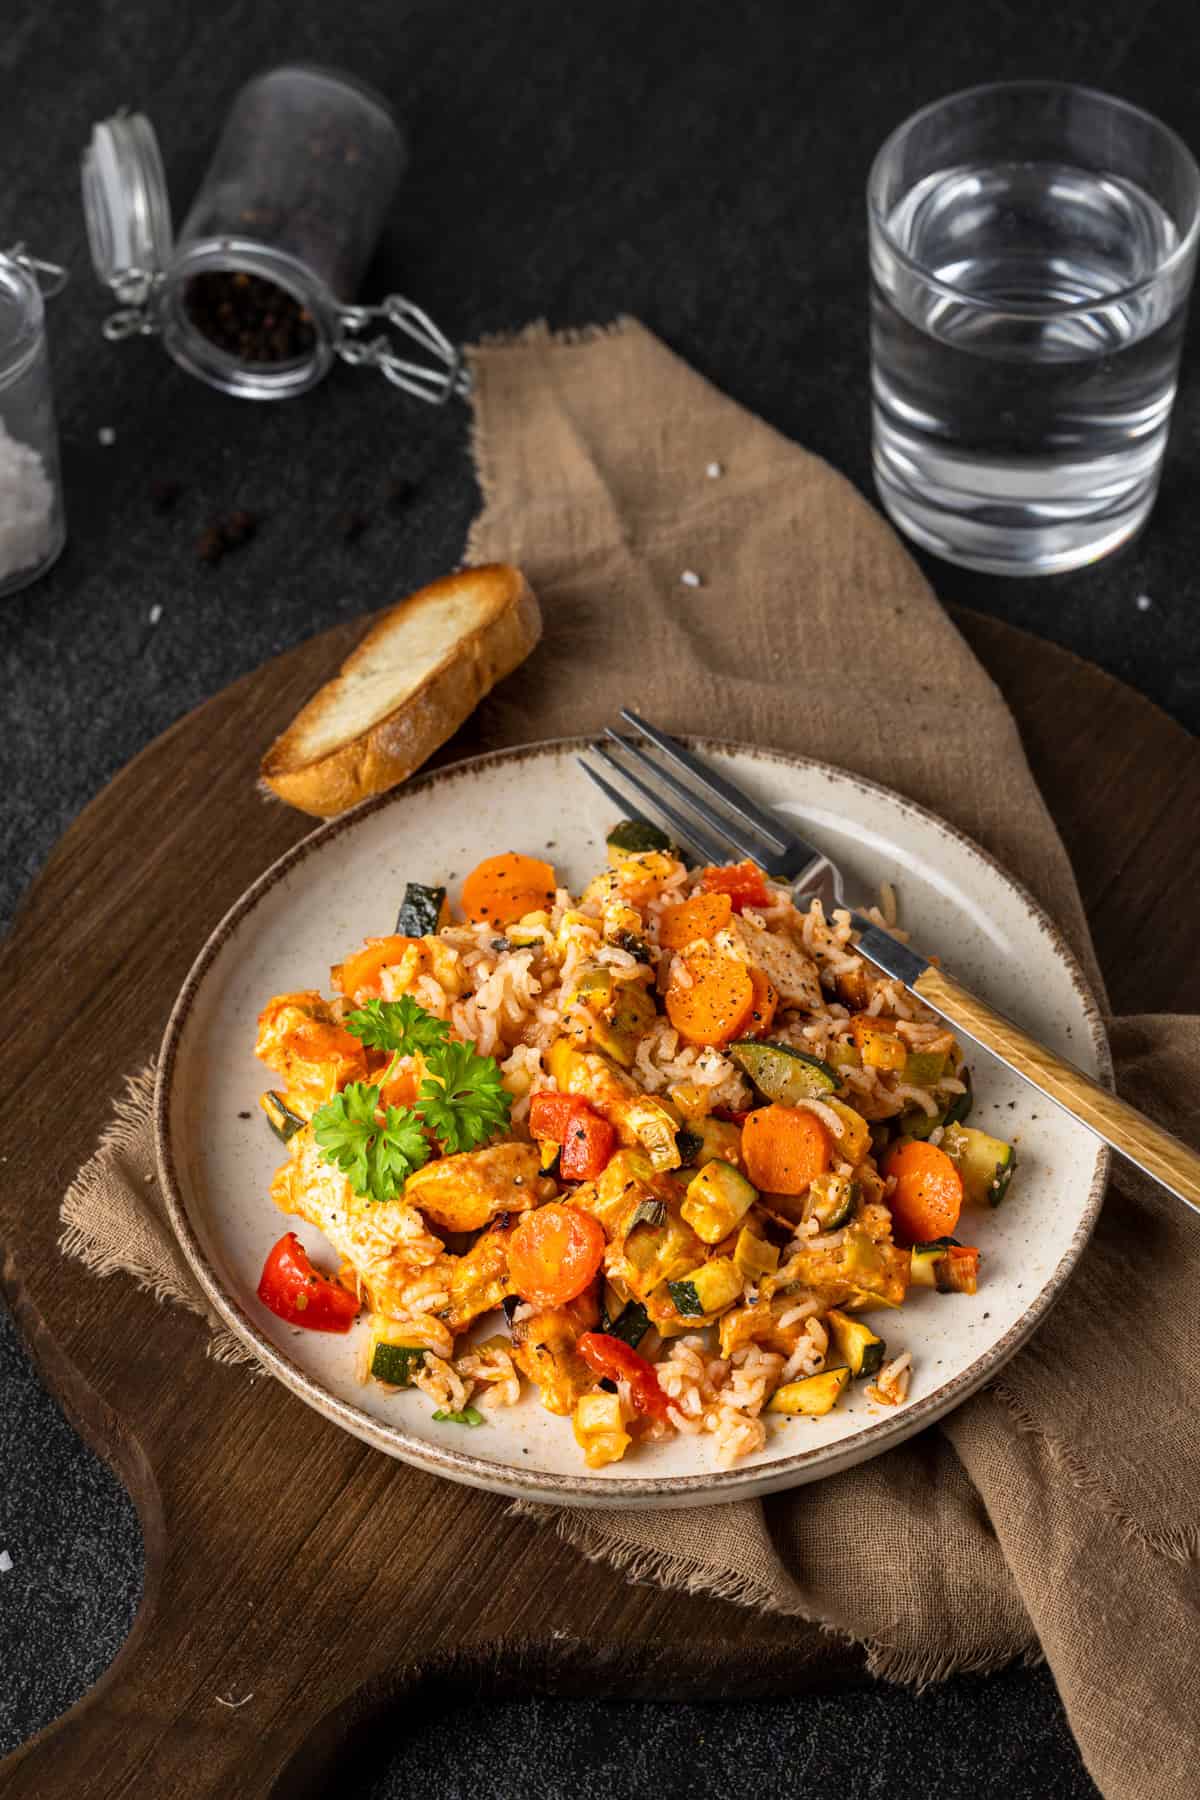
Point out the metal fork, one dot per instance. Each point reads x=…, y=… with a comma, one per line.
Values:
x=710, y=814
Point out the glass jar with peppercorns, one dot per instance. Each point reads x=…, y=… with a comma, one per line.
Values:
x=257, y=294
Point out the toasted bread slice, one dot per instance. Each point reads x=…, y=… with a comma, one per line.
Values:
x=420, y=671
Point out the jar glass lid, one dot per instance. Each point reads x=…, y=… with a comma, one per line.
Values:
x=126, y=207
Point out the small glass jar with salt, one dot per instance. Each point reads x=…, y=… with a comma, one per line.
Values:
x=32, y=524
x=257, y=294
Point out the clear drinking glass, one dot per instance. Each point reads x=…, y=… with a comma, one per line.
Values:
x=1032, y=249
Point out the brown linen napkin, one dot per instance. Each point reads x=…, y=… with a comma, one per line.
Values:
x=1058, y=1508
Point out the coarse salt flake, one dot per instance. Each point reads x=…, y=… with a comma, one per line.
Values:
x=714, y=471
x=1143, y=603
x=6, y=1562
x=690, y=579
x=156, y=613
x=107, y=435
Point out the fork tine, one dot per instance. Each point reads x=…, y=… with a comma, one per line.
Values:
x=620, y=801
x=710, y=849
x=742, y=841
x=625, y=806
x=707, y=777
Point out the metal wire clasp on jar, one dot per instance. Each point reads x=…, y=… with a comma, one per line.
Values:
x=256, y=296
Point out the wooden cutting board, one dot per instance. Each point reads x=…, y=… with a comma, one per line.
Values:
x=286, y=1560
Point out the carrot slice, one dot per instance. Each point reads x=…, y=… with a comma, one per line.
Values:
x=700, y=917
x=766, y=999
x=784, y=1148
x=718, y=1004
x=554, y=1253
x=503, y=888
x=928, y=1195
x=359, y=974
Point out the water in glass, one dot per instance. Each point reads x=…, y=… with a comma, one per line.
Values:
x=1022, y=379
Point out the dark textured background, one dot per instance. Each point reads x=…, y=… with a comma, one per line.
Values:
x=700, y=165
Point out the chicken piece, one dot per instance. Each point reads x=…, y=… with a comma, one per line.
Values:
x=464, y=1192
x=300, y=1038
x=479, y=1279
x=859, y=1264
x=385, y=1242
x=759, y=1324
x=544, y=1350
x=789, y=969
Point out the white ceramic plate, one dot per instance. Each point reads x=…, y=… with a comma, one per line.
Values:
x=344, y=882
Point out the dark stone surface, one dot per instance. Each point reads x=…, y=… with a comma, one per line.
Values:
x=701, y=166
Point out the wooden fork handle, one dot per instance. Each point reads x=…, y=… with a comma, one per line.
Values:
x=1162, y=1155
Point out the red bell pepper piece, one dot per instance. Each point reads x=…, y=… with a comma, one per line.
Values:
x=587, y=1147
x=744, y=882
x=551, y=1114
x=292, y=1289
x=614, y=1360
x=733, y=1115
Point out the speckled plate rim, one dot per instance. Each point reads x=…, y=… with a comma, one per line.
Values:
x=703, y=1488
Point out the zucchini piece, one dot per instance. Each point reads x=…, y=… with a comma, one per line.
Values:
x=648, y=1212
x=422, y=911
x=754, y=1256
x=922, y=1068
x=655, y=1131
x=878, y=1047
x=959, y=1110
x=633, y=946
x=623, y=1016
x=630, y=1325
x=922, y=1124
x=831, y=1200
x=842, y=1055
x=395, y=1363
x=689, y=1144
x=594, y=988
x=783, y=1074
x=720, y=1141
x=280, y=1117
x=707, y=1290
x=862, y=1348
x=634, y=837
x=855, y=1141
x=947, y=1265
x=528, y=932
x=985, y=1163
x=659, y=1253
x=925, y=1259
x=718, y=1198
x=599, y=1429
x=815, y=1395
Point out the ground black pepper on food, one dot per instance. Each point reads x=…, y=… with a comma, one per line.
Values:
x=253, y=319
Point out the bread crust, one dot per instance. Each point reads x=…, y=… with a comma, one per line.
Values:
x=390, y=749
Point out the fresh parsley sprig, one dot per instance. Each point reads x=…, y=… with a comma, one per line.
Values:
x=462, y=1101
x=398, y=1025
x=377, y=1158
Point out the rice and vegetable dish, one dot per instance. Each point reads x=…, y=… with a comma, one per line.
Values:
x=653, y=1152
